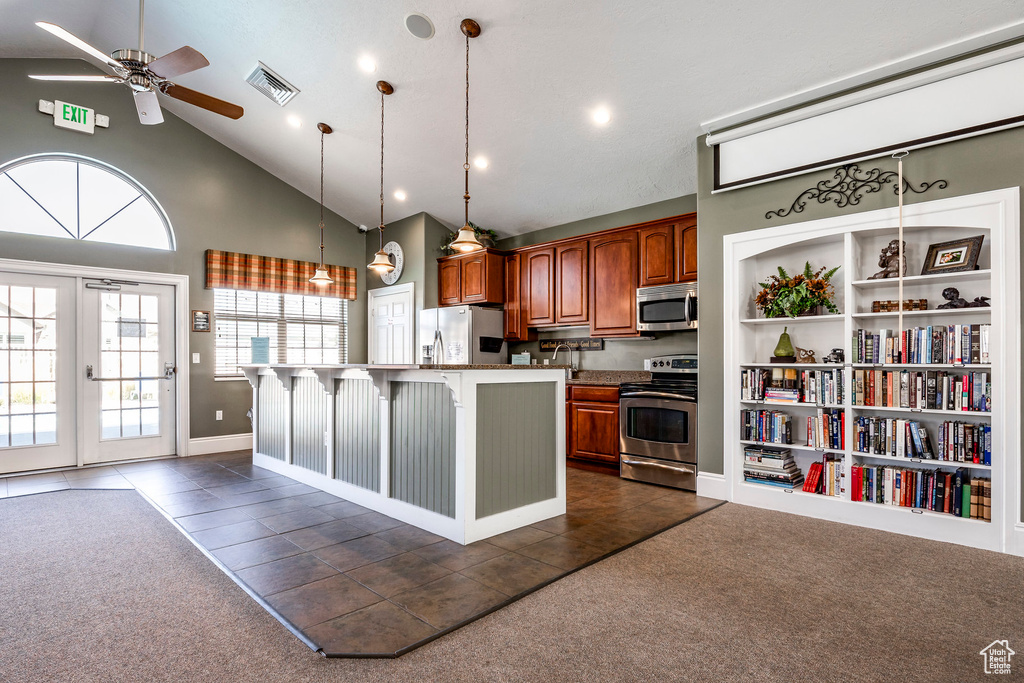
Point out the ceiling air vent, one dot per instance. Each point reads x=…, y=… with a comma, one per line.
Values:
x=271, y=84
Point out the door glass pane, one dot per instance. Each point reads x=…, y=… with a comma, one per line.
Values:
x=150, y=421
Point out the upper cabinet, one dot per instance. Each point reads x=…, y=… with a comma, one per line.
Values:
x=572, y=302
x=657, y=262
x=538, y=282
x=515, y=315
x=475, y=278
x=613, y=281
x=686, y=249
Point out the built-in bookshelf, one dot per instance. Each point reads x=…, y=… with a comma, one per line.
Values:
x=918, y=437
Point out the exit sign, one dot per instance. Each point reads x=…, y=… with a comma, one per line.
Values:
x=74, y=117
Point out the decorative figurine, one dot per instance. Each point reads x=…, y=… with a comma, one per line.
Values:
x=953, y=300
x=979, y=302
x=888, y=260
x=837, y=356
x=804, y=356
x=784, y=352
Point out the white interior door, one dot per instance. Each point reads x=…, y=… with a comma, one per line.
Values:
x=37, y=372
x=128, y=359
x=392, y=333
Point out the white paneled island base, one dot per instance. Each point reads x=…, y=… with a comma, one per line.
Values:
x=464, y=453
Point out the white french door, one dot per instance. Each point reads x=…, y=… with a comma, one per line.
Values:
x=128, y=359
x=392, y=335
x=37, y=372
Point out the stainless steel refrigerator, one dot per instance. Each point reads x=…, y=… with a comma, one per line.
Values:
x=462, y=335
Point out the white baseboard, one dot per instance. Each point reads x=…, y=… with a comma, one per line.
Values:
x=712, y=485
x=1016, y=544
x=219, y=444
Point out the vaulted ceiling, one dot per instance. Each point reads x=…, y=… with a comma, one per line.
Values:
x=539, y=69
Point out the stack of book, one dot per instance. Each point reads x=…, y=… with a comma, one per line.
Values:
x=766, y=425
x=934, y=390
x=825, y=477
x=827, y=429
x=948, y=344
x=954, y=493
x=771, y=466
x=821, y=387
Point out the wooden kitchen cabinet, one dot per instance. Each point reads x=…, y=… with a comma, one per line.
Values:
x=593, y=424
x=538, y=286
x=572, y=302
x=613, y=283
x=474, y=278
x=686, y=250
x=657, y=262
x=515, y=319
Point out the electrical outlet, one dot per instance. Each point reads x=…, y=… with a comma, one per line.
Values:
x=327, y=439
x=220, y=414
x=195, y=358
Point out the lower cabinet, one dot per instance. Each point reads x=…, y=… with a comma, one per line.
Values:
x=592, y=424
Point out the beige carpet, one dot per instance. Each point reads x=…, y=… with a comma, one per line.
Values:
x=97, y=586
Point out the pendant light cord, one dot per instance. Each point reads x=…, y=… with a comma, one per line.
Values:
x=381, y=230
x=465, y=166
x=321, y=199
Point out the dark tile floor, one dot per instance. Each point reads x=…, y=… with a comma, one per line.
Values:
x=358, y=583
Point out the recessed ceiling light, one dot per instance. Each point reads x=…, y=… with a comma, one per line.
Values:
x=400, y=195
x=367, y=64
x=602, y=116
x=481, y=162
x=294, y=121
x=419, y=25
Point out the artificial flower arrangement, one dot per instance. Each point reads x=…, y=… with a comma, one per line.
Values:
x=782, y=295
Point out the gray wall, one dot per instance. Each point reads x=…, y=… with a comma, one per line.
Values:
x=979, y=164
x=420, y=236
x=215, y=199
x=618, y=354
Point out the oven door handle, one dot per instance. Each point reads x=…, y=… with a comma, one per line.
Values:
x=657, y=394
x=646, y=463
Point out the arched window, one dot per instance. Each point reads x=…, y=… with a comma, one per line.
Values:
x=75, y=197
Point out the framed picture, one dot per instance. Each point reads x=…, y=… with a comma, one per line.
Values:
x=200, y=321
x=953, y=256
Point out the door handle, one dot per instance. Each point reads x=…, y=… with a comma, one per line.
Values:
x=169, y=371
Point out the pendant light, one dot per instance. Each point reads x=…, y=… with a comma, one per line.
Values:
x=320, y=277
x=381, y=261
x=466, y=241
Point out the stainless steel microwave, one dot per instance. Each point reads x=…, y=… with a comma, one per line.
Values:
x=666, y=307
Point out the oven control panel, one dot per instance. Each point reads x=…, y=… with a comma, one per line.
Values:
x=672, y=363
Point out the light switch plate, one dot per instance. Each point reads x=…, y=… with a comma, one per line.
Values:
x=195, y=358
x=220, y=415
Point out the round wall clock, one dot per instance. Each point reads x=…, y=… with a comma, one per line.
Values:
x=394, y=250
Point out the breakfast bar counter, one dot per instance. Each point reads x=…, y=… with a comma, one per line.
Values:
x=465, y=452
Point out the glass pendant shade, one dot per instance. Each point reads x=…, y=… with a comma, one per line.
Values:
x=320, y=277
x=466, y=241
x=381, y=262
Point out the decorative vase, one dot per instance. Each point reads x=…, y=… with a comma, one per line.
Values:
x=785, y=346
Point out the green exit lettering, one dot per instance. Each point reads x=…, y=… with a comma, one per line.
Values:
x=76, y=114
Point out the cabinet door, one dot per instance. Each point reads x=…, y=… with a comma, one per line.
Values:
x=538, y=286
x=571, y=300
x=449, y=288
x=595, y=431
x=515, y=330
x=657, y=265
x=613, y=281
x=474, y=278
x=686, y=251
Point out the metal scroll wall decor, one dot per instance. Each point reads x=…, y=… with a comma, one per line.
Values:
x=848, y=185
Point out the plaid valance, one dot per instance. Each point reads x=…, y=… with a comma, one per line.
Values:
x=231, y=270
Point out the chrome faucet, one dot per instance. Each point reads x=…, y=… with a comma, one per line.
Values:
x=572, y=365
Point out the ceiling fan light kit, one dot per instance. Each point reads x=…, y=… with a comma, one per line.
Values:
x=146, y=75
x=465, y=241
x=320, y=276
x=381, y=263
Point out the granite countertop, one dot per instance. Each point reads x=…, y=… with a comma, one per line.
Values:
x=495, y=366
x=609, y=377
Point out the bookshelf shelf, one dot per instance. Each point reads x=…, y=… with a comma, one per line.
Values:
x=795, y=321
x=913, y=462
x=940, y=279
x=854, y=241
x=926, y=411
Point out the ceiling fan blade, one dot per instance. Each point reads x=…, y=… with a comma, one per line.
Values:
x=181, y=61
x=179, y=92
x=88, y=79
x=78, y=42
x=148, y=107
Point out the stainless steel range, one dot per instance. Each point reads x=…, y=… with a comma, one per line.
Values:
x=658, y=424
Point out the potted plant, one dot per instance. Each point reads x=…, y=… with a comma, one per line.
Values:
x=802, y=294
x=484, y=236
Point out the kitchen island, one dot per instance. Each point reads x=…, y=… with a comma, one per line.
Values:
x=465, y=452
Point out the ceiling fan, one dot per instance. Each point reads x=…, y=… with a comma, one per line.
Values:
x=146, y=75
